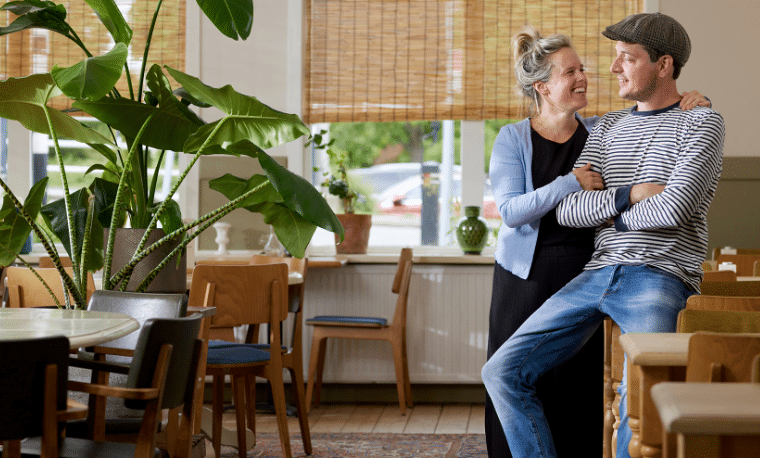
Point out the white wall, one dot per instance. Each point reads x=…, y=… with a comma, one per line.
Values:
x=723, y=63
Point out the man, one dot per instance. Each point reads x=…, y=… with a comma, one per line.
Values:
x=651, y=240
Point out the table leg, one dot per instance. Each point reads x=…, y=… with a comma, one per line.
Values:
x=651, y=426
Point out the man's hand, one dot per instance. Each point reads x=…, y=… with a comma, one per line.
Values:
x=643, y=191
x=693, y=99
x=589, y=181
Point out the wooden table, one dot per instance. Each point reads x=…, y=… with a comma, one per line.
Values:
x=651, y=358
x=702, y=412
x=83, y=328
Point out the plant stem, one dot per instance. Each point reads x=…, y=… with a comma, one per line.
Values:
x=117, y=205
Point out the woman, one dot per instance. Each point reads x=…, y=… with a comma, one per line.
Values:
x=531, y=171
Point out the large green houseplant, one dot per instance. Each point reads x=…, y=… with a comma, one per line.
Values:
x=153, y=116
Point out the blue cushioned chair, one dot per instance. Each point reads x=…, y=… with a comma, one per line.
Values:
x=244, y=295
x=350, y=327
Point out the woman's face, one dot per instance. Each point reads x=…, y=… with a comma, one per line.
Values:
x=566, y=88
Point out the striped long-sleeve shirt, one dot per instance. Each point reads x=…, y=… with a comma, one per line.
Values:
x=682, y=150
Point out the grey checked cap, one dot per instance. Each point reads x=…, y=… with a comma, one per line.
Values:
x=655, y=30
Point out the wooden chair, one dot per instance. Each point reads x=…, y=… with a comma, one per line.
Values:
x=46, y=262
x=744, y=262
x=735, y=303
x=26, y=290
x=292, y=353
x=717, y=251
x=142, y=307
x=33, y=393
x=719, y=275
x=730, y=288
x=161, y=376
x=244, y=295
x=613, y=376
x=349, y=327
x=726, y=321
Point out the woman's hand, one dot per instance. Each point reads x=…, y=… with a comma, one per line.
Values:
x=693, y=99
x=643, y=191
x=589, y=180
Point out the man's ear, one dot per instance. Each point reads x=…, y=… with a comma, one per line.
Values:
x=665, y=65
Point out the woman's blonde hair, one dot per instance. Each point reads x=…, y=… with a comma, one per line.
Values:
x=531, y=52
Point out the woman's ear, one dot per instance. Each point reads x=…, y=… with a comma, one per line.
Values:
x=541, y=88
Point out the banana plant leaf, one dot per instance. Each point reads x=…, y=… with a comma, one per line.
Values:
x=14, y=230
x=54, y=215
x=234, y=18
x=36, y=14
x=92, y=78
x=25, y=99
x=110, y=15
x=168, y=130
x=246, y=118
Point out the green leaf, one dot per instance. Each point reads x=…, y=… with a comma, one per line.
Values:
x=234, y=18
x=15, y=230
x=300, y=196
x=168, y=130
x=55, y=217
x=24, y=100
x=36, y=14
x=246, y=117
x=92, y=78
x=104, y=192
x=171, y=217
x=111, y=17
x=160, y=87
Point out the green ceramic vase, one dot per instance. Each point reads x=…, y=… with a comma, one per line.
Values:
x=472, y=231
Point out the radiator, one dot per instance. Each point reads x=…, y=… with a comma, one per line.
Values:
x=447, y=321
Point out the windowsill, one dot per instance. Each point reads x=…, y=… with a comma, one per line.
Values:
x=386, y=255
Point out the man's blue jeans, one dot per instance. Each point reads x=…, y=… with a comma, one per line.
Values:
x=637, y=298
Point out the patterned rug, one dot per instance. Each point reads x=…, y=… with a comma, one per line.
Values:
x=371, y=445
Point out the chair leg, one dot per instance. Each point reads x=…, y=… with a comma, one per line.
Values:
x=407, y=380
x=296, y=376
x=280, y=409
x=316, y=363
x=250, y=402
x=238, y=399
x=398, y=362
x=217, y=408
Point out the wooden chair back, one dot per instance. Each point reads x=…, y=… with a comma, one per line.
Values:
x=730, y=288
x=232, y=289
x=717, y=251
x=46, y=262
x=719, y=275
x=718, y=321
x=32, y=390
x=745, y=263
x=735, y=303
x=26, y=290
x=722, y=357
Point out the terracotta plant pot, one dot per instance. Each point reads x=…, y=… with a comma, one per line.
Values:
x=356, y=233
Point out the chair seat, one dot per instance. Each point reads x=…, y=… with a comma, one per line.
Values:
x=330, y=320
x=227, y=344
x=235, y=354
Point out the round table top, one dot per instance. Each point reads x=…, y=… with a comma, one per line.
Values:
x=83, y=328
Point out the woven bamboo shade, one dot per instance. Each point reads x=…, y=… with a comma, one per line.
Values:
x=399, y=60
x=37, y=50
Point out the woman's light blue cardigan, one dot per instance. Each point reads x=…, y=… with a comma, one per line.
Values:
x=520, y=206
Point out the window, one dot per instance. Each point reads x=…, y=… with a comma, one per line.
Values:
x=371, y=61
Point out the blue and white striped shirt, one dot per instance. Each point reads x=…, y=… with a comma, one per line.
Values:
x=682, y=150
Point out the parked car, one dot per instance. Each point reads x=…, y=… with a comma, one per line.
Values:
x=406, y=197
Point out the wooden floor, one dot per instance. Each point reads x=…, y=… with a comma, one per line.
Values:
x=378, y=418
x=385, y=418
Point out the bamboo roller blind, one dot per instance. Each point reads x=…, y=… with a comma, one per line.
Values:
x=398, y=60
x=37, y=50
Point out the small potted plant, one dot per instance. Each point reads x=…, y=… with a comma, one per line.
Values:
x=338, y=183
x=158, y=116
